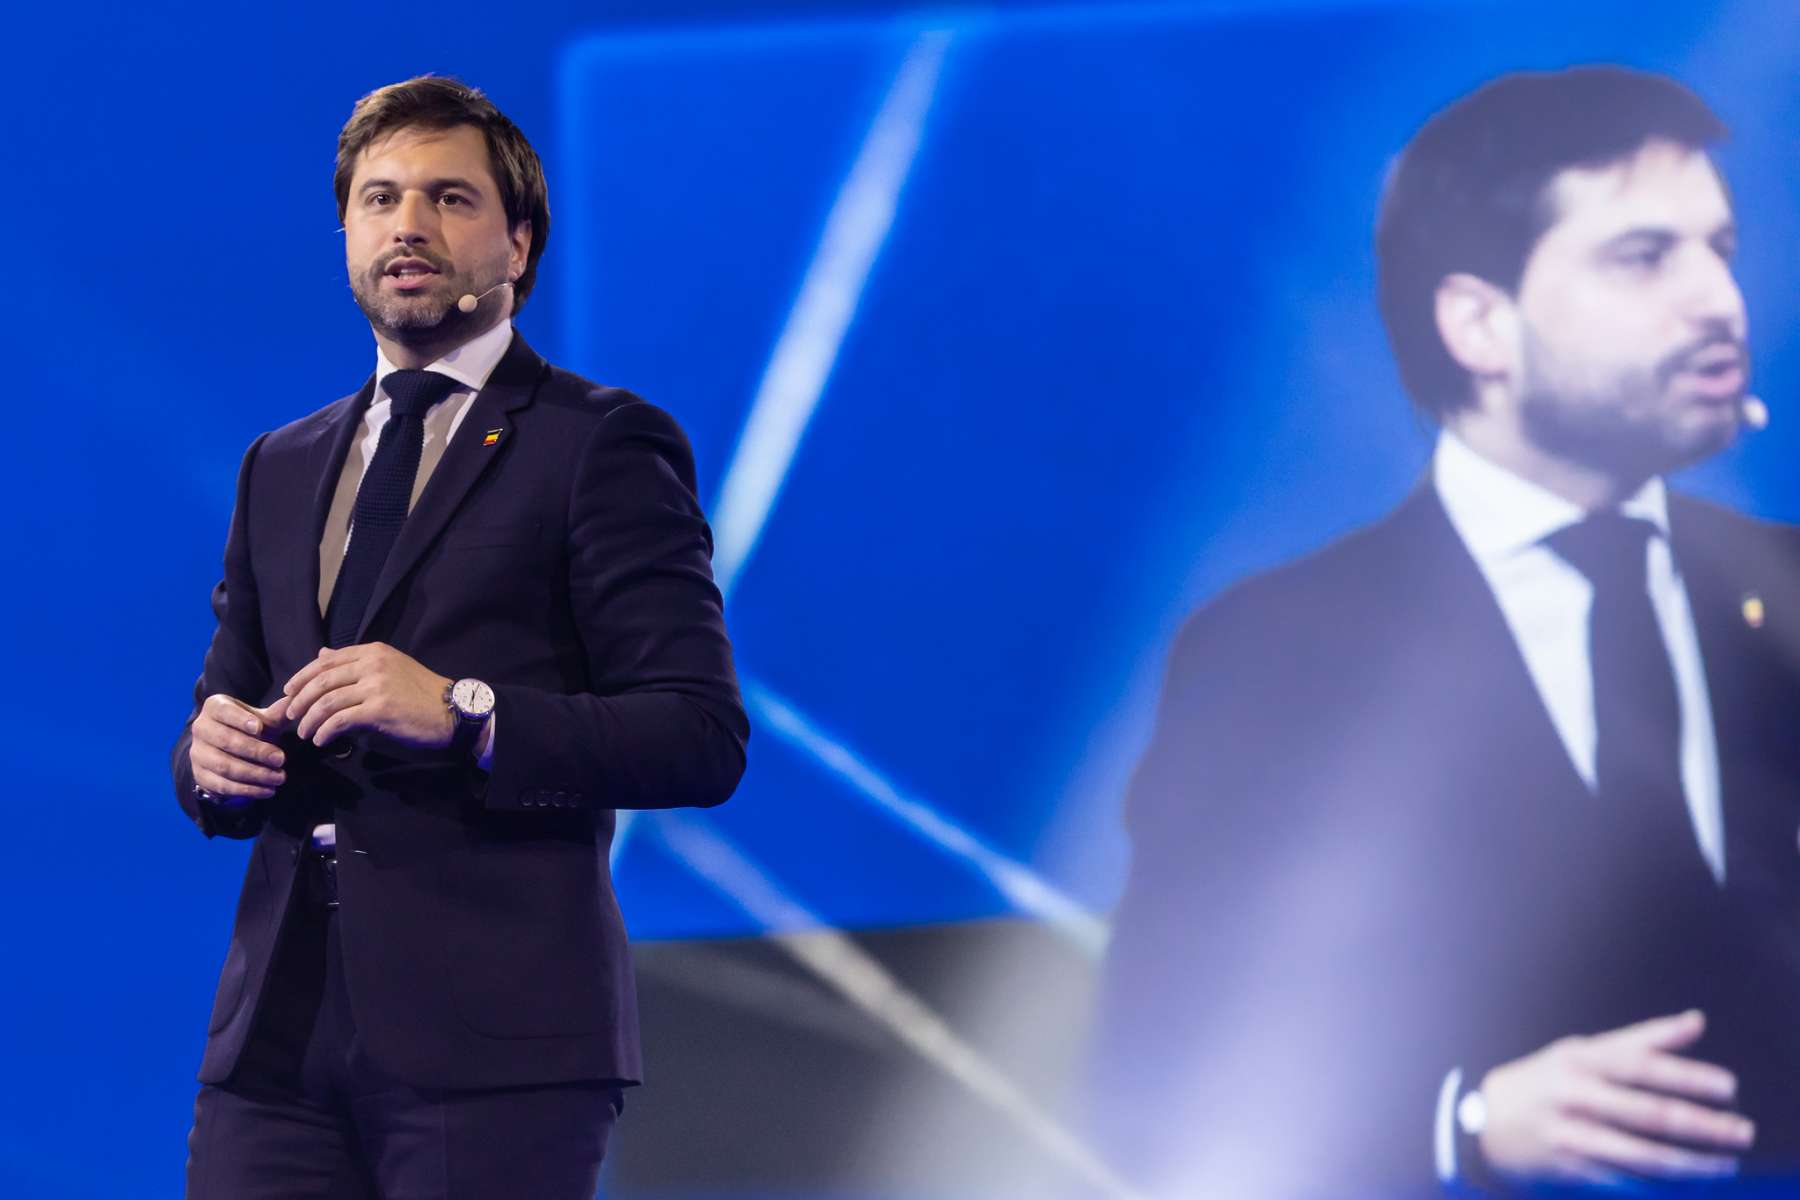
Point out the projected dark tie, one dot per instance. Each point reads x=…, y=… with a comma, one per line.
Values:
x=1637, y=714
x=383, y=497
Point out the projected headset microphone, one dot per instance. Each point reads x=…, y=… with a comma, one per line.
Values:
x=1754, y=412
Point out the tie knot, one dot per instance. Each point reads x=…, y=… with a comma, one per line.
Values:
x=1606, y=547
x=413, y=392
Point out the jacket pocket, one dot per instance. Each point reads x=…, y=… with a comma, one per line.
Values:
x=533, y=956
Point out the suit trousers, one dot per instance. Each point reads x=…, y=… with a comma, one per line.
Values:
x=307, y=1116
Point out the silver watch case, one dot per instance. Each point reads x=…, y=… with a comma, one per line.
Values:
x=470, y=700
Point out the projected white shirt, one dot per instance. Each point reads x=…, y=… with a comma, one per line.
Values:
x=1503, y=520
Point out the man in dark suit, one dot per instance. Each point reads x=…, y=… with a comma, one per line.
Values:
x=467, y=613
x=1464, y=849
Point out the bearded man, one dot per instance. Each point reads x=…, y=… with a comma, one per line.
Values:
x=1465, y=847
x=467, y=614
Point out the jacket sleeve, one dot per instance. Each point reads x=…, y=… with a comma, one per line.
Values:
x=661, y=724
x=236, y=664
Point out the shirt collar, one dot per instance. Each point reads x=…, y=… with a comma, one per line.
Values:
x=1499, y=514
x=469, y=364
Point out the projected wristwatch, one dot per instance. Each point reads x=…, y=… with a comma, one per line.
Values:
x=471, y=702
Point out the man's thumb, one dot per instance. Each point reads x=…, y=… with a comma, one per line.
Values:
x=275, y=713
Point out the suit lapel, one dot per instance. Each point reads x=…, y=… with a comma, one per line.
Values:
x=465, y=460
x=325, y=465
x=1726, y=594
x=1489, y=700
x=1715, y=598
x=1736, y=589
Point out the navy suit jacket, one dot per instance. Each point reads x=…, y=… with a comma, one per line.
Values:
x=558, y=552
x=1362, y=857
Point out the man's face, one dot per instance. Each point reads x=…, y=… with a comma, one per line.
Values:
x=424, y=226
x=1631, y=348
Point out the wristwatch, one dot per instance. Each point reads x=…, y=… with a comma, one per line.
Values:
x=1471, y=1164
x=1471, y=1113
x=471, y=702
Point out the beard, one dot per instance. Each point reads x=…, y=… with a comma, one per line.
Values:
x=1626, y=422
x=427, y=315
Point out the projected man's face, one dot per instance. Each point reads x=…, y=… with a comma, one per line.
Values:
x=1631, y=354
x=425, y=226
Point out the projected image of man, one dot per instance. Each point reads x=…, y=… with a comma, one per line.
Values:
x=1470, y=838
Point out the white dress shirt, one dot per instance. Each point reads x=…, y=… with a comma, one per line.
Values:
x=469, y=364
x=1503, y=521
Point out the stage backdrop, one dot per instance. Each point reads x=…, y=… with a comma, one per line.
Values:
x=1004, y=337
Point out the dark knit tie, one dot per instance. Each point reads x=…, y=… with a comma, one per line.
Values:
x=1637, y=713
x=383, y=497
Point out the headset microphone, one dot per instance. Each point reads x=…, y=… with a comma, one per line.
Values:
x=470, y=300
x=1754, y=412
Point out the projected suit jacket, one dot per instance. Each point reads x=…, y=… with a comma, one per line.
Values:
x=1362, y=857
x=566, y=562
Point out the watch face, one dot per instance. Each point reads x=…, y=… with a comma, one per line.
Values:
x=472, y=698
x=1471, y=1113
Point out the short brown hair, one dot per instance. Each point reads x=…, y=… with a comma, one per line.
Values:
x=1469, y=192
x=437, y=102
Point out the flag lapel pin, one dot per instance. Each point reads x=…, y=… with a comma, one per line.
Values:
x=1754, y=615
x=492, y=437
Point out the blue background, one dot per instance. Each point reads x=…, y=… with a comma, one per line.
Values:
x=1117, y=350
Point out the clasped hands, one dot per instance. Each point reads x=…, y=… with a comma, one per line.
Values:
x=1615, y=1106
x=369, y=688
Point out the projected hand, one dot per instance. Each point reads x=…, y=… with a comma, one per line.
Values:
x=1619, y=1104
x=233, y=751
x=373, y=687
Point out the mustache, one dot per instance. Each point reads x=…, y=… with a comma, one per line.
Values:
x=1680, y=360
x=440, y=264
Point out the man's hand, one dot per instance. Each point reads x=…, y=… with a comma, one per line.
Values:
x=1611, y=1106
x=372, y=687
x=232, y=751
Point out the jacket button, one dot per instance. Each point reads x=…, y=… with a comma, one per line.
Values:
x=343, y=750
